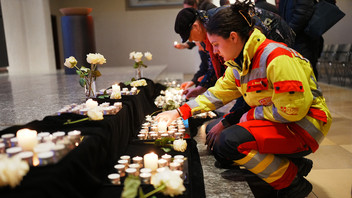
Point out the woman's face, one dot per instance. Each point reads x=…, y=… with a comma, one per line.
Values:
x=228, y=48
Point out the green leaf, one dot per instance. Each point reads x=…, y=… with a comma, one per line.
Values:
x=127, y=83
x=136, y=65
x=82, y=82
x=131, y=186
x=104, y=96
x=78, y=72
x=166, y=149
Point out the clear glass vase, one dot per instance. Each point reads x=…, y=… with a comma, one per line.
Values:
x=90, y=89
x=139, y=73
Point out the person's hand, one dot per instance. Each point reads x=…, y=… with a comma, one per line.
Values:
x=181, y=46
x=167, y=116
x=213, y=135
x=244, y=118
x=194, y=92
x=186, y=85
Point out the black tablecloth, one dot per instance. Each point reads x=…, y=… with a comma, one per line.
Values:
x=83, y=171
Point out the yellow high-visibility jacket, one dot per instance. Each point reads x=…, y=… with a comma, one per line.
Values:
x=276, y=81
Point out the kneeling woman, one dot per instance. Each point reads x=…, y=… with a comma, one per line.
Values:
x=288, y=118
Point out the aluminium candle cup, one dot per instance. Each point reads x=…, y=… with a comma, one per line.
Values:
x=114, y=178
x=6, y=138
x=166, y=157
x=124, y=162
x=160, y=170
x=14, y=142
x=126, y=157
x=181, y=162
x=135, y=166
x=145, y=170
x=13, y=151
x=46, y=158
x=162, y=163
x=26, y=156
x=141, y=136
x=145, y=178
x=138, y=160
x=120, y=169
x=174, y=166
x=131, y=171
x=2, y=148
x=179, y=157
x=42, y=135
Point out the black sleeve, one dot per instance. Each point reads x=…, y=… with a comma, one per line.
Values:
x=236, y=112
x=203, y=67
x=191, y=45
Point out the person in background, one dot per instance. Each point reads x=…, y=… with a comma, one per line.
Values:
x=266, y=6
x=288, y=118
x=297, y=15
x=224, y=2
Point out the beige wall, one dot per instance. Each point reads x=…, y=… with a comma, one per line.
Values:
x=118, y=32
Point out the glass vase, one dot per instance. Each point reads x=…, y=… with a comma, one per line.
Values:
x=90, y=89
x=139, y=73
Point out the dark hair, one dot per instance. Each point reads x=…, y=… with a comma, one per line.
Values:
x=189, y=2
x=232, y=19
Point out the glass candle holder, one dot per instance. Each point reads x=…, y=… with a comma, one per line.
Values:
x=142, y=136
x=145, y=170
x=14, y=142
x=145, y=178
x=42, y=135
x=154, y=136
x=179, y=173
x=124, y=162
x=159, y=170
x=59, y=135
x=164, y=135
x=180, y=161
x=135, y=166
x=178, y=136
x=179, y=157
x=114, y=178
x=75, y=137
x=120, y=169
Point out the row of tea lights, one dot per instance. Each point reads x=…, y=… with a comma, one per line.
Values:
x=154, y=130
x=146, y=166
x=39, y=148
x=116, y=89
x=83, y=108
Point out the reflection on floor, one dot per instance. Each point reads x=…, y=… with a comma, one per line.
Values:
x=27, y=98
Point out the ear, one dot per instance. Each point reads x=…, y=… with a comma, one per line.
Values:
x=234, y=37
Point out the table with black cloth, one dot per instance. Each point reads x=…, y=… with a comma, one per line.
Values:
x=83, y=171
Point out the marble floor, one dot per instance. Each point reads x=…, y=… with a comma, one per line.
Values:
x=32, y=97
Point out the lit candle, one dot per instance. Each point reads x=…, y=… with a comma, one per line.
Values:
x=27, y=139
x=151, y=161
x=175, y=43
x=162, y=126
x=91, y=103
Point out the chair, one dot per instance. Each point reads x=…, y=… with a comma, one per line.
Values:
x=331, y=59
x=341, y=60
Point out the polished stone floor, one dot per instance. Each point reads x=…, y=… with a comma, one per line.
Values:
x=32, y=97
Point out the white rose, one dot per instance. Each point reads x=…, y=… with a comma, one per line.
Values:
x=138, y=56
x=173, y=182
x=115, y=95
x=180, y=145
x=70, y=62
x=139, y=83
x=12, y=170
x=90, y=104
x=95, y=58
x=148, y=56
x=95, y=113
x=132, y=55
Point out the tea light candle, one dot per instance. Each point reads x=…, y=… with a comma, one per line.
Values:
x=120, y=168
x=132, y=171
x=141, y=136
x=2, y=148
x=145, y=178
x=180, y=161
x=151, y=161
x=6, y=138
x=27, y=139
x=59, y=135
x=134, y=90
x=124, y=162
x=175, y=42
x=174, y=166
x=166, y=157
x=114, y=178
x=126, y=157
x=135, y=166
x=13, y=151
x=46, y=158
x=137, y=160
x=90, y=104
x=179, y=157
x=164, y=135
x=146, y=170
x=14, y=142
x=162, y=126
x=125, y=89
x=27, y=156
x=154, y=136
x=42, y=135
x=178, y=135
x=162, y=163
x=159, y=170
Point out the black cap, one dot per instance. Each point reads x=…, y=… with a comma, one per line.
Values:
x=184, y=21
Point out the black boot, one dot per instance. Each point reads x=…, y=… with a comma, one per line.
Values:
x=299, y=188
x=220, y=165
x=304, y=165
